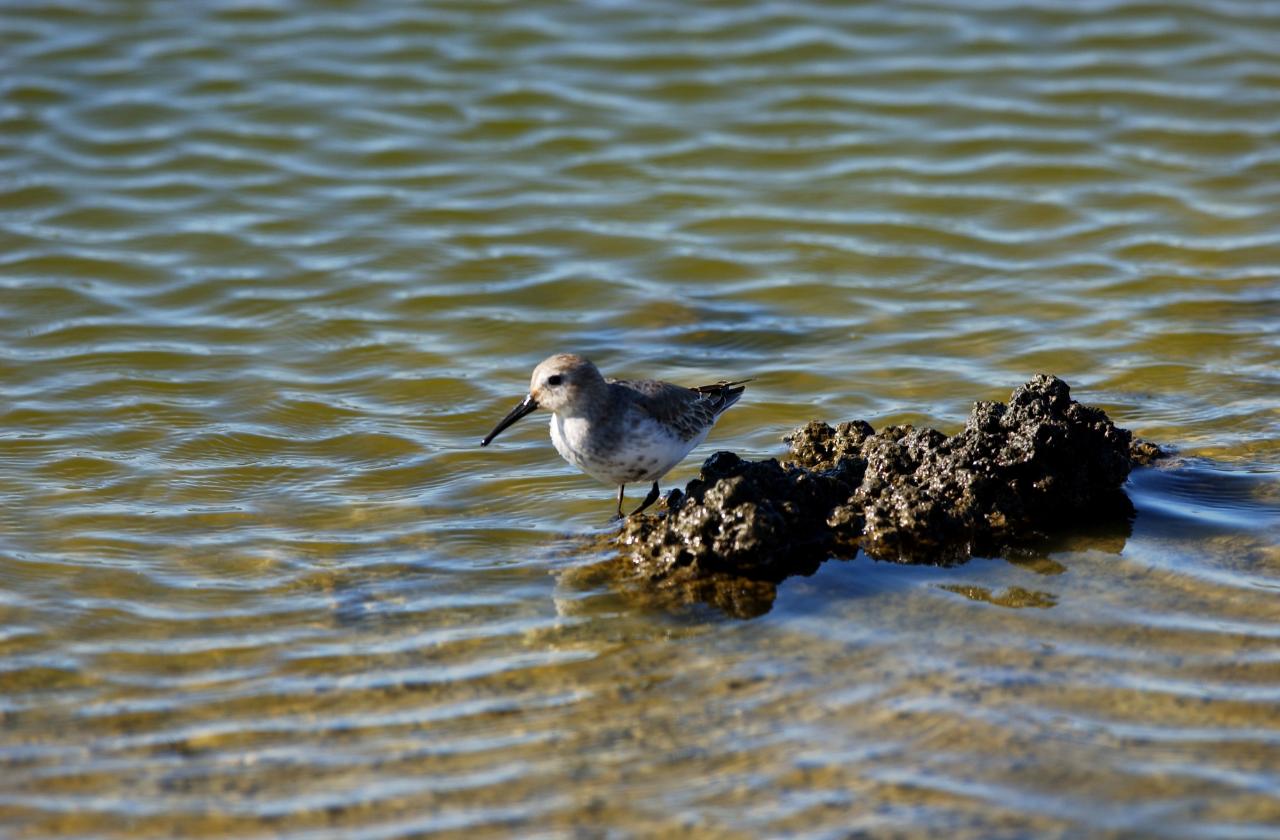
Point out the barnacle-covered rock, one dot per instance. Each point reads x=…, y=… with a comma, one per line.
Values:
x=1041, y=462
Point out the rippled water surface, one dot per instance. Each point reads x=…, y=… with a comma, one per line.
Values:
x=269, y=269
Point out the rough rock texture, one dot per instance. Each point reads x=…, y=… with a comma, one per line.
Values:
x=1143, y=452
x=1041, y=462
x=737, y=514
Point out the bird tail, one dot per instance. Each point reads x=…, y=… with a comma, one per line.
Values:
x=723, y=394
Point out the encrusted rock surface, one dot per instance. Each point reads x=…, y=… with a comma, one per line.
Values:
x=737, y=515
x=1042, y=462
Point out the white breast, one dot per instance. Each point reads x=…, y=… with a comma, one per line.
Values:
x=646, y=452
x=569, y=436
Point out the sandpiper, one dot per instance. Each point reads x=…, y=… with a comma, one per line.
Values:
x=620, y=431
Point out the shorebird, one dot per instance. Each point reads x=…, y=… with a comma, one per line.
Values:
x=620, y=431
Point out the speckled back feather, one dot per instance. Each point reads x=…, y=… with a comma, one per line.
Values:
x=690, y=411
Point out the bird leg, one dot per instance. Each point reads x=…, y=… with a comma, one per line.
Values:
x=621, y=487
x=648, y=500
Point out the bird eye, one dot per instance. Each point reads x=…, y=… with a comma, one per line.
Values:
x=555, y=380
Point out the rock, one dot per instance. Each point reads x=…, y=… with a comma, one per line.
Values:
x=1144, y=453
x=756, y=519
x=1040, y=463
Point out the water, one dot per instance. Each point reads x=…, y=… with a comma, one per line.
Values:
x=269, y=270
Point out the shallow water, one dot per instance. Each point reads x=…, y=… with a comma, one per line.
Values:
x=268, y=270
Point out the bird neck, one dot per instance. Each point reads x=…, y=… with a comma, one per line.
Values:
x=592, y=404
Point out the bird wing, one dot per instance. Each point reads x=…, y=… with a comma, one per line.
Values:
x=690, y=411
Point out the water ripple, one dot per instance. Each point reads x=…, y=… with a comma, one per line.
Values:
x=269, y=271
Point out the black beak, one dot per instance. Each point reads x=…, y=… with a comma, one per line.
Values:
x=527, y=406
